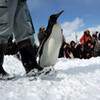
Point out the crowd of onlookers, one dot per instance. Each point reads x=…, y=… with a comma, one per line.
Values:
x=87, y=47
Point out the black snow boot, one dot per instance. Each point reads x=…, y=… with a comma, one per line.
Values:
x=27, y=56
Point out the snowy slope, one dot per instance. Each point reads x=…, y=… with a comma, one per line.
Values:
x=75, y=80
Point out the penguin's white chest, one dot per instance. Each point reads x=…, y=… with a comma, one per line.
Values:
x=51, y=47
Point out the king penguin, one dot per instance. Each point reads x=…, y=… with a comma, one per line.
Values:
x=50, y=46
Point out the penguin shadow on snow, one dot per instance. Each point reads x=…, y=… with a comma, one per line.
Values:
x=82, y=70
x=53, y=77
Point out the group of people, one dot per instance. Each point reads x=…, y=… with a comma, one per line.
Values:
x=15, y=18
x=89, y=46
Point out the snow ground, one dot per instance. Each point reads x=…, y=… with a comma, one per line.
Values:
x=74, y=80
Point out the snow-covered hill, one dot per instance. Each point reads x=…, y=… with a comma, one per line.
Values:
x=75, y=80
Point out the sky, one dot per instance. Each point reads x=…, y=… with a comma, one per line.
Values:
x=78, y=14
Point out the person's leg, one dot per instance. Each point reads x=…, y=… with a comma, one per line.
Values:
x=24, y=33
x=28, y=56
x=7, y=11
x=22, y=28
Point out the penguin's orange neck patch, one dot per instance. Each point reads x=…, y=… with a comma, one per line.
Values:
x=49, y=18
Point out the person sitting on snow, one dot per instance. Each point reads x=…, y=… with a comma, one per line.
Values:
x=76, y=49
x=88, y=50
x=65, y=51
x=73, y=47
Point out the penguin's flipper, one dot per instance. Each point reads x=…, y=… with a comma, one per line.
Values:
x=40, y=49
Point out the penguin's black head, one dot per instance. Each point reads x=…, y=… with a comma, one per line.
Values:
x=53, y=18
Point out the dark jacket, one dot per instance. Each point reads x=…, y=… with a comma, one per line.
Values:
x=87, y=51
x=77, y=51
x=41, y=36
x=64, y=52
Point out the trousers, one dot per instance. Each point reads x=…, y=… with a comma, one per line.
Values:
x=13, y=20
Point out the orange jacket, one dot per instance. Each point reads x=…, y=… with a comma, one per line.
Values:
x=85, y=38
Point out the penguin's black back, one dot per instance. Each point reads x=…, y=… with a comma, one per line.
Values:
x=48, y=33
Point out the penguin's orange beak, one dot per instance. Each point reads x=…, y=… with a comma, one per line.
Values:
x=57, y=15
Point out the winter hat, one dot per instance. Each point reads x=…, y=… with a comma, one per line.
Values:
x=86, y=30
x=42, y=27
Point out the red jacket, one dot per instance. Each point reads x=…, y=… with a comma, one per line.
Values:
x=85, y=38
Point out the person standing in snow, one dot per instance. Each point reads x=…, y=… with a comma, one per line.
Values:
x=41, y=34
x=13, y=19
x=86, y=37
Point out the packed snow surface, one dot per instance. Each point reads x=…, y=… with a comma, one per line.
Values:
x=76, y=79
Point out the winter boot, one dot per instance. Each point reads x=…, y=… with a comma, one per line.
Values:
x=28, y=58
x=3, y=74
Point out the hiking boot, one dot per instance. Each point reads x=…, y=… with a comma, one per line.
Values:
x=43, y=72
x=35, y=72
x=28, y=57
